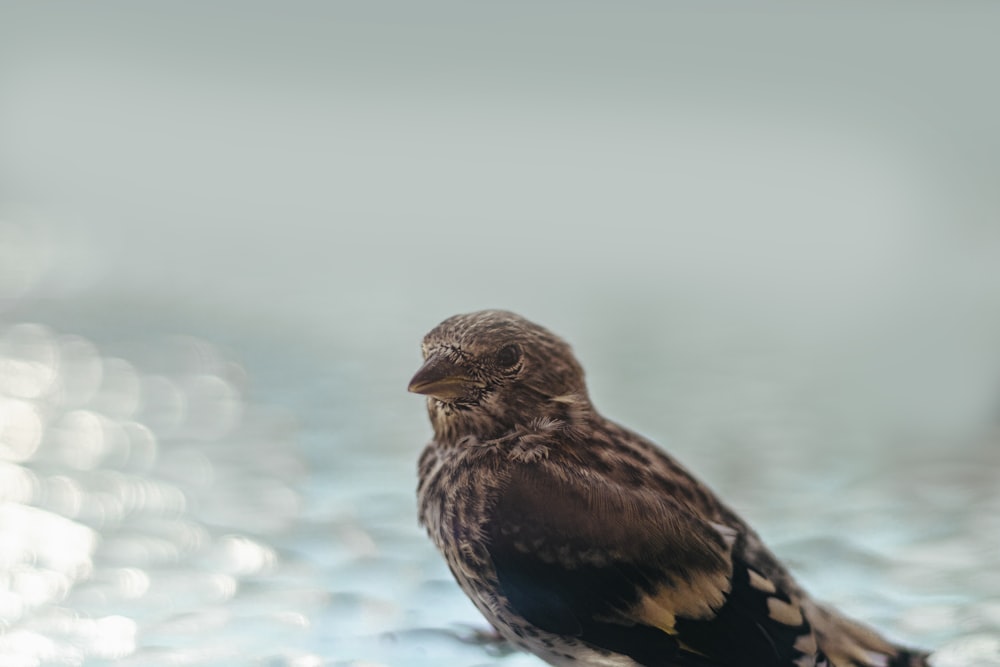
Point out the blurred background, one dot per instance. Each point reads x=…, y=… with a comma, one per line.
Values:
x=771, y=234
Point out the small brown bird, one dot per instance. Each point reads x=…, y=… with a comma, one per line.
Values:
x=584, y=543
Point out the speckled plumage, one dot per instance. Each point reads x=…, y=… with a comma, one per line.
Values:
x=583, y=542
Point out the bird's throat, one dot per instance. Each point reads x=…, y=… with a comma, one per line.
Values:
x=454, y=423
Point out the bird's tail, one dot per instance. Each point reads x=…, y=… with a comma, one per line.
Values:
x=848, y=643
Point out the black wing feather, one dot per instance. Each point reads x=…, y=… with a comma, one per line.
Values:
x=570, y=560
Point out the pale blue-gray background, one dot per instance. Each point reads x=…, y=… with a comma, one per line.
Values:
x=771, y=232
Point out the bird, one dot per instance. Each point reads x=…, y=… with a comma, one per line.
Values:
x=586, y=544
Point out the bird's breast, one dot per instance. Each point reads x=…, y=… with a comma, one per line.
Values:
x=455, y=495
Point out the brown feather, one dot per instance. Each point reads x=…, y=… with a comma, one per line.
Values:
x=585, y=543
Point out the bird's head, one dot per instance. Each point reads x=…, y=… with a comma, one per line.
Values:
x=487, y=372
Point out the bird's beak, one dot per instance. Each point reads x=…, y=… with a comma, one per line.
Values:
x=441, y=378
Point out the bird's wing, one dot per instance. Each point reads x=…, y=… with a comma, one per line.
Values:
x=633, y=571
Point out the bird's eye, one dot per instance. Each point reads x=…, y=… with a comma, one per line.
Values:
x=508, y=356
